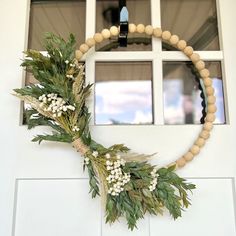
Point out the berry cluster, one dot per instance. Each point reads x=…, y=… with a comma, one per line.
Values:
x=51, y=102
x=75, y=128
x=153, y=183
x=117, y=178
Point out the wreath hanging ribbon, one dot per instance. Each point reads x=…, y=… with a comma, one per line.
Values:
x=127, y=183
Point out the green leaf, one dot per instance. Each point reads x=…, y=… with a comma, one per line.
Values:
x=56, y=137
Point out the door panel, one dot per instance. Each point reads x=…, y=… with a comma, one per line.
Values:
x=53, y=207
x=46, y=183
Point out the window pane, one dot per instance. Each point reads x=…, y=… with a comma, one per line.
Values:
x=59, y=17
x=123, y=93
x=107, y=14
x=182, y=97
x=192, y=20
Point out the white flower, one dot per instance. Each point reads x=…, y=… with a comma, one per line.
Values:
x=95, y=153
x=67, y=62
x=108, y=156
x=75, y=128
x=86, y=160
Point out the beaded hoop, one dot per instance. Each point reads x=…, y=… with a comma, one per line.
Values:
x=199, y=64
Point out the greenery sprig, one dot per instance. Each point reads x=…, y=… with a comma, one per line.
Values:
x=129, y=185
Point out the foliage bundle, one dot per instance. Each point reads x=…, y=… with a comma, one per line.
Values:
x=128, y=184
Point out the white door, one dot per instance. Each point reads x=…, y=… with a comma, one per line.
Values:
x=43, y=190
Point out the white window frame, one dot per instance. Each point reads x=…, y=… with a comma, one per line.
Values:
x=156, y=56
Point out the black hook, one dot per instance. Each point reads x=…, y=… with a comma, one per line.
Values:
x=124, y=23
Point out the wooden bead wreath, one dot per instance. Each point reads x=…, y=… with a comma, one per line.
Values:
x=128, y=184
x=173, y=40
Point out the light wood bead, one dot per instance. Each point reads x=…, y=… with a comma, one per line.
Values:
x=210, y=90
x=98, y=37
x=210, y=117
x=200, y=65
x=149, y=30
x=188, y=156
x=188, y=51
x=200, y=142
x=212, y=108
x=106, y=33
x=207, y=82
x=205, y=134
x=204, y=73
x=208, y=126
x=181, y=44
x=195, y=149
x=114, y=31
x=132, y=28
x=195, y=57
x=174, y=39
x=157, y=32
x=90, y=42
x=181, y=162
x=84, y=48
x=211, y=99
x=140, y=28
x=166, y=35
x=78, y=54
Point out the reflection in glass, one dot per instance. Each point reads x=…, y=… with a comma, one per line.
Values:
x=192, y=20
x=107, y=14
x=59, y=17
x=123, y=94
x=182, y=95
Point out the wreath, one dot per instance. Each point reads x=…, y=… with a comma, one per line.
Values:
x=128, y=184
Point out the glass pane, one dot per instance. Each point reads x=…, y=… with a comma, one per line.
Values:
x=182, y=96
x=59, y=17
x=192, y=20
x=123, y=93
x=107, y=14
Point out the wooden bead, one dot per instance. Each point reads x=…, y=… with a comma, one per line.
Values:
x=207, y=82
x=174, y=39
x=210, y=90
x=200, y=65
x=181, y=162
x=181, y=45
x=210, y=117
x=195, y=149
x=157, y=32
x=140, y=28
x=78, y=54
x=98, y=37
x=200, y=142
x=166, y=35
x=204, y=73
x=188, y=51
x=90, y=42
x=205, y=134
x=212, y=108
x=114, y=31
x=106, y=33
x=211, y=99
x=132, y=28
x=149, y=30
x=188, y=156
x=208, y=126
x=84, y=48
x=195, y=57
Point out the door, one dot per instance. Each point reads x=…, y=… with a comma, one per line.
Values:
x=43, y=190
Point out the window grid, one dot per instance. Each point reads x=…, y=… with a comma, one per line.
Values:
x=156, y=56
